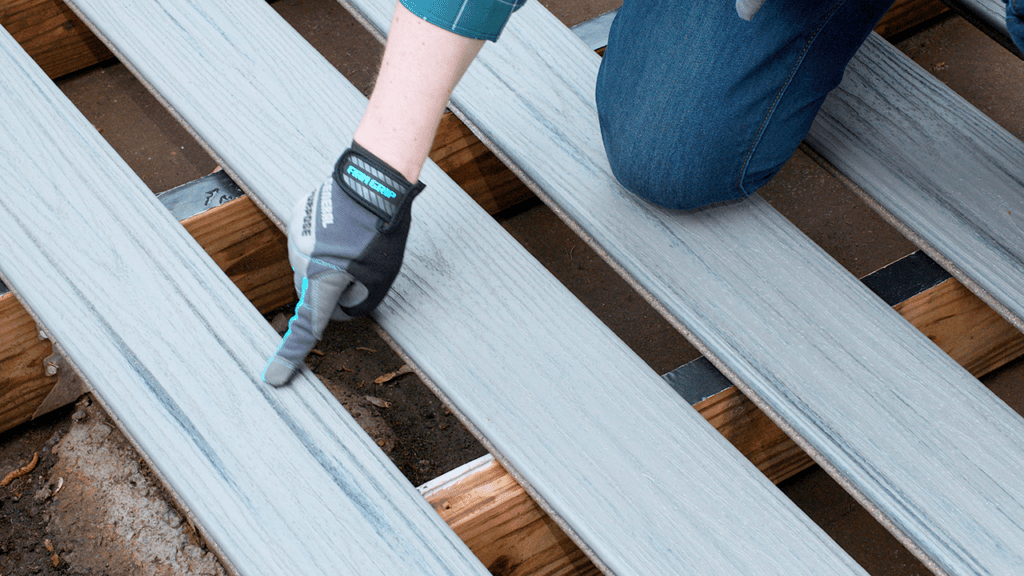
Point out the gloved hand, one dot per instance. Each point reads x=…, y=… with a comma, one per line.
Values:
x=345, y=244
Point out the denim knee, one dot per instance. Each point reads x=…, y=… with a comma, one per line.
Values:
x=698, y=107
x=1015, y=22
x=682, y=169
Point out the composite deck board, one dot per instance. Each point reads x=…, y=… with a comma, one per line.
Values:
x=637, y=477
x=283, y=482
x=935, y=166
x=923, y=445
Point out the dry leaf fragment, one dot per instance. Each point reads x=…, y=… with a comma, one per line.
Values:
x=365, y=349
x=317, y=352
x=378, y=402
x=48, y=545
x=405, y=369
x=21, y=471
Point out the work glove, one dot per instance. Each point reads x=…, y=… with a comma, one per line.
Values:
x=345, y=244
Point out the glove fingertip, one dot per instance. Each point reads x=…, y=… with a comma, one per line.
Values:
x=278, y=372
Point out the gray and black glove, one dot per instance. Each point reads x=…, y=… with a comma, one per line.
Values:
x=345, y=244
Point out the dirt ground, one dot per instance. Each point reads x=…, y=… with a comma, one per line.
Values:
x=90, y=505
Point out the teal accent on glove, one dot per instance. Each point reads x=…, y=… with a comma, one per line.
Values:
x=346, y=241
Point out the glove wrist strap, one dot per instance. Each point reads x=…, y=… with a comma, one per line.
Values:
x=375, y=185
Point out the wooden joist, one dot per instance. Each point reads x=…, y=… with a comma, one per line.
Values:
x=502, y=525
x=51, y=33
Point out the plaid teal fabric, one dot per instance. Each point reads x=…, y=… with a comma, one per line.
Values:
x=480, y=19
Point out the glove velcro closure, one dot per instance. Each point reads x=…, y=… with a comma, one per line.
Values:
x=375, y=185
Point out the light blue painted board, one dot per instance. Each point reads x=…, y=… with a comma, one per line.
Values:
x=931, y=452
x=939, y=169
x=636, y=475
x=594, y=32
x=282, y=482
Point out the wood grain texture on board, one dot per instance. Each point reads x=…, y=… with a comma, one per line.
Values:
x=239, y=238
x=857, y=385
x=504, y=527
x=51, y=33
x=937, y=168
x=471, y=304
x=174, y=352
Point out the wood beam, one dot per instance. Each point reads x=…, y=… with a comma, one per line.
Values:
x=51, y=33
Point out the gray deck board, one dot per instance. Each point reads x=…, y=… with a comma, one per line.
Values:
x=636, y=475
x=923, y=445
x=283, y=482
x=936, y=167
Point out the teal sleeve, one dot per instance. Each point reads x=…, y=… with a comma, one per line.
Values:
x=479, y=19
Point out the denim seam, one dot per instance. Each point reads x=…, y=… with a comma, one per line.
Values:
x=782, y=92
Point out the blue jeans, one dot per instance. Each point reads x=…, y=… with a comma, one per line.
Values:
x=699, y=107
x=1015, y=21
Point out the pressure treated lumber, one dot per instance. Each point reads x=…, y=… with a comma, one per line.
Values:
x=895, y=420
x=939, y=170
x=479, y=172
x=538, y=377
x=50, y=32
x=281, y=481
x=502, y=525
x=23, y=383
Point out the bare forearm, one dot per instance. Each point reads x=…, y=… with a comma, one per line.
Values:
x=421, y=66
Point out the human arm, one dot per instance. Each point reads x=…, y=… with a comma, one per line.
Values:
x=346, y=239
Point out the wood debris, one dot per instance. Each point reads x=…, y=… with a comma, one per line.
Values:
x=365, y=349
x=21, y=471
x=405, y=369
x=379, y=403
